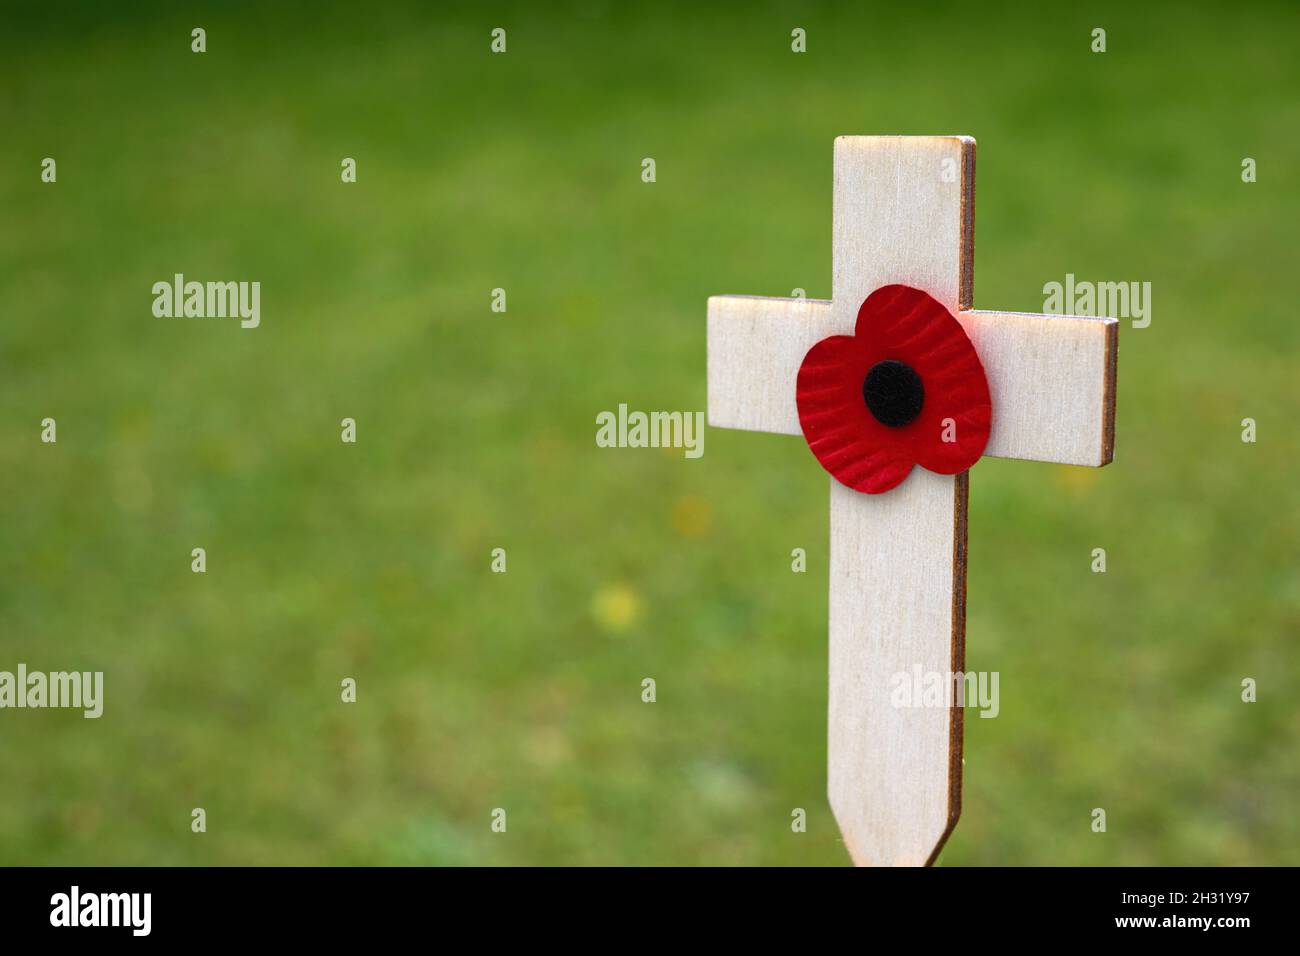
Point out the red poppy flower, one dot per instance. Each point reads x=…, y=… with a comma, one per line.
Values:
x=907, y=388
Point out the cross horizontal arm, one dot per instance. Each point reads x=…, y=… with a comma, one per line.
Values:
x=755, y=348
x=1052, y=382
x=1051, y=377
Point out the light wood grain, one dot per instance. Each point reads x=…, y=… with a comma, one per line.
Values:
x=755, y=348
x=897, y=603
x=1051, y=377
x=1052, y=382
x=903, y=210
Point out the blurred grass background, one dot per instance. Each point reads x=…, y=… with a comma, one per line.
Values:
x=476, y=430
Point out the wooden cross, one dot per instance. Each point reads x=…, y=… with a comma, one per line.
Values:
x=904, y=213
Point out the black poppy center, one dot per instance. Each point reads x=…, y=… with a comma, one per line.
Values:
x=893, y=393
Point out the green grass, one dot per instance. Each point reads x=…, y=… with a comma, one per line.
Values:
x=476, y=431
